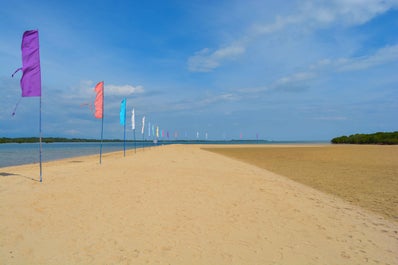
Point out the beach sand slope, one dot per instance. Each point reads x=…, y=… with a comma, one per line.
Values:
x=180, y=205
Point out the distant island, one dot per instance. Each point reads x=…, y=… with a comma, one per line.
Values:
x=387, y=138
x=374, y=138
x=20, y=140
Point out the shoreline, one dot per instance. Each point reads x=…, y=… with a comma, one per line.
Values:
x=31, y=156
x=180, y=204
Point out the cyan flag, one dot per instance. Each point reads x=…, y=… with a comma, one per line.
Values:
x=123, y=112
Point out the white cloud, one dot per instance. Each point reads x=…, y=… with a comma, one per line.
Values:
x=382, y=56
x=202, y=61
x=351, y=12
x=296, y=77
x=326, y=12
x=279, y=24
x=313, y=14
x=199, y=103
x=320, y=64
x=83, y=93
x=123, y=90
x=218, y=98
x=297, y=81
x=205, y=60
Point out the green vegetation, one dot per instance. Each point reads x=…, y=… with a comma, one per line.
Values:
x=374, y=138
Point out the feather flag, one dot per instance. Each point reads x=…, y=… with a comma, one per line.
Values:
x=31, y=73
x=132, y=120
x=99, y=100
x=157, y=131
x=123, y=121
x=143, y=125
x=123, y=112
x=99, y=110
x=149, y=129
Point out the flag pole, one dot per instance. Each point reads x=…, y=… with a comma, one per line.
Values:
x=102, y=124
x=124, y=142
x=135, y=143
x=133, y=128
x=40, y=145
x=31, y=76
x=102, y=136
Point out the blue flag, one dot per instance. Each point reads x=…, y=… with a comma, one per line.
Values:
x=123, y=112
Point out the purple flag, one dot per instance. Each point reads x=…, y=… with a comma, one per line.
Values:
x=31, y=77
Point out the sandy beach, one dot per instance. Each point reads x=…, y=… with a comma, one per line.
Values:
x=181, y=204
x=365, y=175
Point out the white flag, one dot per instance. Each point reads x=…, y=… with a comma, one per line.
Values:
x=143, y=125
x=132, y=120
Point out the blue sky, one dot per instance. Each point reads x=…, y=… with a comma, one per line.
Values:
x=285, y=70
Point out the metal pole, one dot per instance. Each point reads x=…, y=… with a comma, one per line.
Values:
x=102, y=123
x=124, y=144
x=135, y=144
x=40, y=146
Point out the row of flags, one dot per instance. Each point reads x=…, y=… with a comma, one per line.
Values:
x=31, y=87
x=99, y=110
x=153, y=131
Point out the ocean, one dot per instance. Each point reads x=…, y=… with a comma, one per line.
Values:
x=13, y=154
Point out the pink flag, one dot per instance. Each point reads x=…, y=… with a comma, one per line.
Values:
x=99, y=100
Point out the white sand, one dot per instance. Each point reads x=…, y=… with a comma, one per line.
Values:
x=180, y=205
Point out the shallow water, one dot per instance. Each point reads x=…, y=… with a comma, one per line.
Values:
x=13, y=154
x=27, y=153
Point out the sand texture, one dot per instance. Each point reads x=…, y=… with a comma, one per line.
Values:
x=366, y=175
x=180, y=205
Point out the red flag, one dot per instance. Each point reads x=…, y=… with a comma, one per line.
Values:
x=99, y=100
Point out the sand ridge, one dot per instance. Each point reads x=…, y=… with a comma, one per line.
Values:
x=180, y=205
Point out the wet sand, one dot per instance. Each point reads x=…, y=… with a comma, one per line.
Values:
x=365, y=175
x=180, y=205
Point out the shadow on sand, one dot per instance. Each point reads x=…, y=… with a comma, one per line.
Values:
x=6, y=174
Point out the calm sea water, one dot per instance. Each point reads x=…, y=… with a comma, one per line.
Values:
x=28, y=153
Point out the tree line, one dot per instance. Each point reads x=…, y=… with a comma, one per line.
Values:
x=374, y=138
